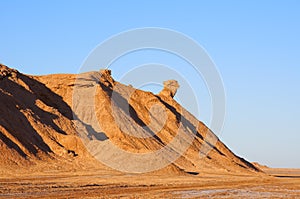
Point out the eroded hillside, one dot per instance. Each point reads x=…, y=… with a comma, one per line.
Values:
x=47, y=119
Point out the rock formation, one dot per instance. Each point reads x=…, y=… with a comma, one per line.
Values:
x=7, y=72
x=39, y=124
x=170, y=88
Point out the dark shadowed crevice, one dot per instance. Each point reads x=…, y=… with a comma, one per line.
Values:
x=12, y=145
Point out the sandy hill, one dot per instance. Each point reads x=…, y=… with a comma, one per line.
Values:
x=40, y=116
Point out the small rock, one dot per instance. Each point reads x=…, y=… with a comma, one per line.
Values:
x=170, y=88
x=7, y=72
x=106, y=77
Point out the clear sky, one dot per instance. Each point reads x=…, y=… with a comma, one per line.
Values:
x=255, y=45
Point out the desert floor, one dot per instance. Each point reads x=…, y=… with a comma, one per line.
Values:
x=280, y=183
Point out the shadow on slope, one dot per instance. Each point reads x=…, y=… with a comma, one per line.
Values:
x=28, y=105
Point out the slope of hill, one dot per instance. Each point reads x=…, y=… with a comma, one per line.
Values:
x=40, y=118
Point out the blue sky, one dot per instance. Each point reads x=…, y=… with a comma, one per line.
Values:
x=255, y=45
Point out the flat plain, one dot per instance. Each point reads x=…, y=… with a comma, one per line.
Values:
x=276, y=183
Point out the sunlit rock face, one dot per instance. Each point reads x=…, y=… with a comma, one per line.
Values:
x=170, y=88
x=7, y=72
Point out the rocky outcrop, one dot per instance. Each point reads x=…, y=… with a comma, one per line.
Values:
x=7, y=72
x=170, y=88
x=106, y=78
